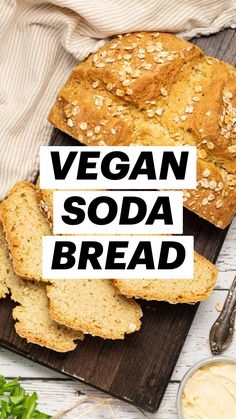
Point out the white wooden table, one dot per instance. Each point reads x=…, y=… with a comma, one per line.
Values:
x=56, y=392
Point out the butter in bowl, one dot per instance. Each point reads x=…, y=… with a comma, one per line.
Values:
x=208, y=390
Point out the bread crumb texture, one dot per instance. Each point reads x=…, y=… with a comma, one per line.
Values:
x=174, y=290
x=93, y=306
x=24, y=226
x=33, y=321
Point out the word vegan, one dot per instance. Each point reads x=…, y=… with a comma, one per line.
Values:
x=96, y=219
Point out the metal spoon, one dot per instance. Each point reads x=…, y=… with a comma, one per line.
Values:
x=221, y=333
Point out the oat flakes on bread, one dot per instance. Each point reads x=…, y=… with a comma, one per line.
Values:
x=93, y=306
x=24, y=226
x=157, y=89
x=45, y=202
x=174, y=290
x=33, y=321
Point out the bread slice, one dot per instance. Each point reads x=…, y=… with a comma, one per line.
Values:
x=174, y=290
x=32, y=316
x=24, y=226
x=5, y=271
x=93, y=306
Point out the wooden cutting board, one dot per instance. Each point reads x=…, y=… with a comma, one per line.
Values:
x=138, y=368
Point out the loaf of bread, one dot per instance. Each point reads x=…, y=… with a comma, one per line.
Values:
x=173, y=291
x=24, y=226
x=33, y=321
x=157, y=89
x=95, y=305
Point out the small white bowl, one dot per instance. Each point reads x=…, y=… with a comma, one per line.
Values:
x=191, y=371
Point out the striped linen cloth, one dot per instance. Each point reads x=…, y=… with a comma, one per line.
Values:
x=41, y=41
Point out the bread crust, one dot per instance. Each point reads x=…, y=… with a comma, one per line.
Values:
x=32, y=316
x=22, y=198
x=127, y=313
x=45, y=202
x=157, y=289
x=171, y=290
x=157, y=89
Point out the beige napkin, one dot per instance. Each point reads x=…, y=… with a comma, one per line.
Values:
x=41, y=41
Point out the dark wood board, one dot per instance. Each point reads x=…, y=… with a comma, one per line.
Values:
x=138, y=368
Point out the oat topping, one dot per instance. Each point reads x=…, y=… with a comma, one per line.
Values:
x=95, y=84
x=206, y=173
x=83, y=126
x=198, y=88
x=119, y=93
x=211, y=197
x=159, y=111
x=129, y=91
x=227, y=120
x=110, y=86
x=150, y=113
x=99, y=65
x=210, y=145
x=213, y=184
x=97, y=129
x=219, y=203
x=120, y=74
x=70, y=123
x=232, y=149
x=163, y=91
x=189, y=109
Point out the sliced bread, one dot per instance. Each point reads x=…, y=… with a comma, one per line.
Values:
x=24, y=226
x=32, y=316
x=93, y=306
x=5, y=271
x=174, y=290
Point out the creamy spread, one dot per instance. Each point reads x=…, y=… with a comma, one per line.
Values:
x=210, y=393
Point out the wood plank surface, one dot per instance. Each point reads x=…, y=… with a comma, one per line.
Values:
x=139, y=368
x=57, y=392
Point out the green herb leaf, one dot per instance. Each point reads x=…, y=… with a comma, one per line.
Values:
x=15, y=403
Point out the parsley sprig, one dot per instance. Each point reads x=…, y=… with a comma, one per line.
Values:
x=15, y=403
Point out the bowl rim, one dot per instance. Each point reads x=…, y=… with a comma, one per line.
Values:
x=190, y=371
